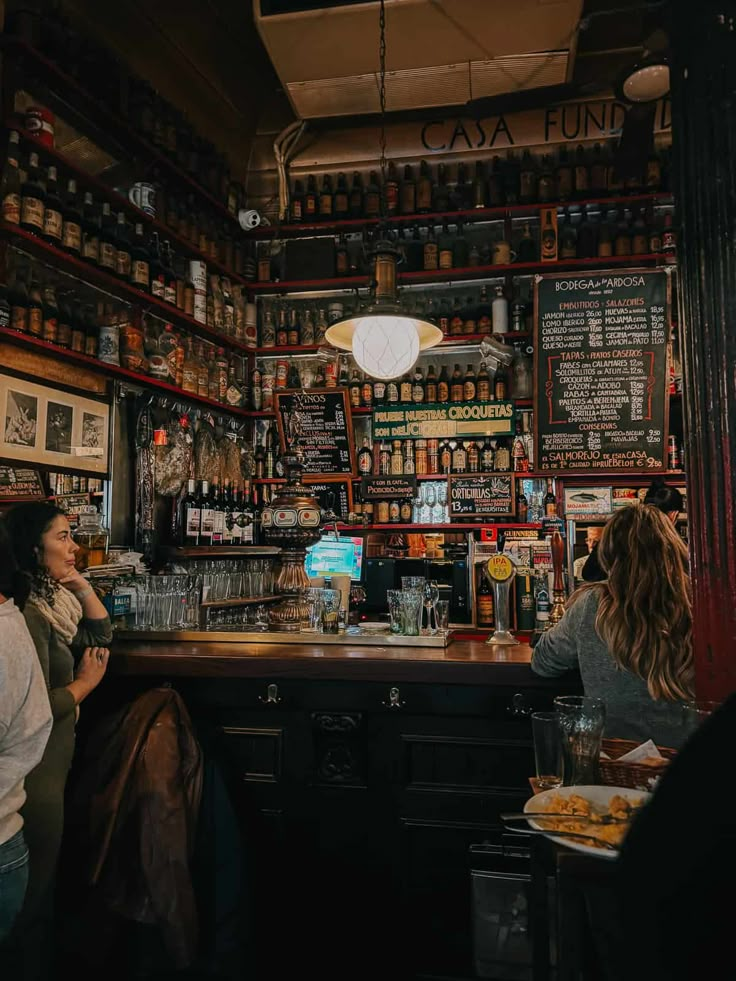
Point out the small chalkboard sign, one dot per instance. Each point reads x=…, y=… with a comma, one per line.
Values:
x=389, y=488
x=600, y=349
x=334, y=493
x=20, y=484
x=481, y=495
x=320, y=424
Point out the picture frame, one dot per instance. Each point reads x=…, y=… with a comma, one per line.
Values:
x=50, y=427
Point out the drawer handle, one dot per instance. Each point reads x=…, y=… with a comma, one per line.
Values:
x=394, y=702
x=272, y=696
x=519, y=707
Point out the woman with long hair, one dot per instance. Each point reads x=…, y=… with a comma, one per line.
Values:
x=631, y=635
x=70, y=630
x=25, y=723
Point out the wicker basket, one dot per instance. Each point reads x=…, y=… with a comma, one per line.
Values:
x=635, y=775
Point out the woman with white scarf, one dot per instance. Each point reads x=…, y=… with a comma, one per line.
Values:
x=71, y=630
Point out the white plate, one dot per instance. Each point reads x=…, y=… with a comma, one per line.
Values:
x=599, y=798
x=374, y=627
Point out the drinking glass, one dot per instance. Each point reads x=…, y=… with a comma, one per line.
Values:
x=411, y=612
x=413, y=582
x=443, y=614
x=547, y=749
x=431, y=595
x=581, y=721
x=143, y=603
x=330, y=616
x=394, y=609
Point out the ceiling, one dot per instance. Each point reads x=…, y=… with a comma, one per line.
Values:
x=439, y=52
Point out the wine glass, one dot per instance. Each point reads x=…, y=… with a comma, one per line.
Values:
x=431, y=595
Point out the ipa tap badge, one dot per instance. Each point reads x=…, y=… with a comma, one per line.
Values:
x=500, y=568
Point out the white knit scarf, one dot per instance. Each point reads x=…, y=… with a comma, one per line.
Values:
x=64, y=615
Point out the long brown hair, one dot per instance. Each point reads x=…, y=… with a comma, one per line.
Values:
x=645, y=611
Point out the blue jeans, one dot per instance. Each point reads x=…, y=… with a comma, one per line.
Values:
x=13, y=880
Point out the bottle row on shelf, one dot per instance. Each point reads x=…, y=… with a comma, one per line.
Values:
x=64, y=483
x=593, y=231
x=127, y=99
x=504, y=180
x=292, y=323
x=210, y=515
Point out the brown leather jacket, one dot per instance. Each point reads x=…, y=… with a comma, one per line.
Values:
x=141, y=786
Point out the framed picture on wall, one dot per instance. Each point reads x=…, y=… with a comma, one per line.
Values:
x=44, y=425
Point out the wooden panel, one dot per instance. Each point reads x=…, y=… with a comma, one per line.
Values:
x=45, y=369
x=257, y=751
x=455, y=764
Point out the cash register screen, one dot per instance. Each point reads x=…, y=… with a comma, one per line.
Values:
x=335, y=557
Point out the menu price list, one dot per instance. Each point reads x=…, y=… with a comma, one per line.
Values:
x=601, y=371
x=319, y=424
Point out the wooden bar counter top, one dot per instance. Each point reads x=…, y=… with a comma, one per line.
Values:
x=463, y=662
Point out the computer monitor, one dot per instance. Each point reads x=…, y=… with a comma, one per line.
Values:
x=336, y=557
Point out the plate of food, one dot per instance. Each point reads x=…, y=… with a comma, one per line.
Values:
x=598, y=812
x=374, y=627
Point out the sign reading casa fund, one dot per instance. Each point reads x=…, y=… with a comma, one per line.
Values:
x=600, y=350
x=443, y=421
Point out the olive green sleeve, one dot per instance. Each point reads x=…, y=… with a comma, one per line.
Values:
x=61, y=699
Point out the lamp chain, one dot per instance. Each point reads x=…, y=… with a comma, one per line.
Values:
x=382, y=96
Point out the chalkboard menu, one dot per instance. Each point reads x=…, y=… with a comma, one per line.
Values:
x=319, y=422
x=389, y=488
x=600, y=354
x=481, y=495
x=334, y=494
x=18, y=483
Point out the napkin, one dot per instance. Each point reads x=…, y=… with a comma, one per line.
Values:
x=645, y=753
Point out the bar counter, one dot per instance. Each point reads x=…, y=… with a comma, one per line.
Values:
x=469, y=662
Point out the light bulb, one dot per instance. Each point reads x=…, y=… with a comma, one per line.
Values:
x=385, y=346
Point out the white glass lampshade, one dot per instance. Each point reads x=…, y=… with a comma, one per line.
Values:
x=385, y=346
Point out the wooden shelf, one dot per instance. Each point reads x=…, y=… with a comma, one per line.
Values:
x=121, y=203
x=117, y=371
x=501, y=213
x=466, y=273
x=98, y=278
x=71, y=99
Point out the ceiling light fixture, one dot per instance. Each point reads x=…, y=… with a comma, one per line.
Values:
x=646, y=81
x=384, y=339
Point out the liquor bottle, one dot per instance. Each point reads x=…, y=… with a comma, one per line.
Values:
x=365, y=457
x=251, y=533
x=311, y=199
x=236, y=516
x=639, y=235
x=90, y=230
x=409, y=461
x=156, y=269
x=459, y=458
x=546, y=184
x=485, y=600
x=445, y=247
x=473, y=457
x=483, y=313
x=121, y=245
x=456, y=317
x=203, y=374
x=372, y=203
x=326, y=199
x=218, y=506
x=527, y=179
x=269, y=461
x=582, y=174
x=598, y=172
x=397, y=459
x=669, y=240
x=189, y=521
x=469, y=385
x=393, y=394
x=550, y=503
x=483, y=384
x=53, y=221
x=405, y=388
x=340, y=199
x=170, y=285
x=91, y=331
x=366, y=392
x=653, y=180
x=549, y=237
x=35, y=307
x=206, y=515
x=461, y=198
x=379, y=392
x=355, y=200
x=527, y=250
x=605, y=239
x=654, y=245
x=391, y=190
x=342, y=257
x=32, y=198
x=228, y=521
x=10, y=188
x=384, y=460
x=500, y=312
x=18, y=299
x=443, y=386
x=320, y=326
x=522, y=505
x=486, y=456
x=354, y=389
x=71, y=236
x=511, y=179
x=50, y=315
x=568, y=238
x=501, y=458
x=445, y=458
x=479, y=186
x=518, y=451
x=495, y=186
x=423, y=198
x=139, y=265
x=456, y=385
x=469, y=314
x=418, y=387
x=430, y=388
x=408, y=194
x=234, y=391
x=622, y=242
x=296, y=204
x=500, y=384
x=64, y=325
x=564, y=176
x=460, y=251
x=431, y=251
x=306, y=332
x=259, y=460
